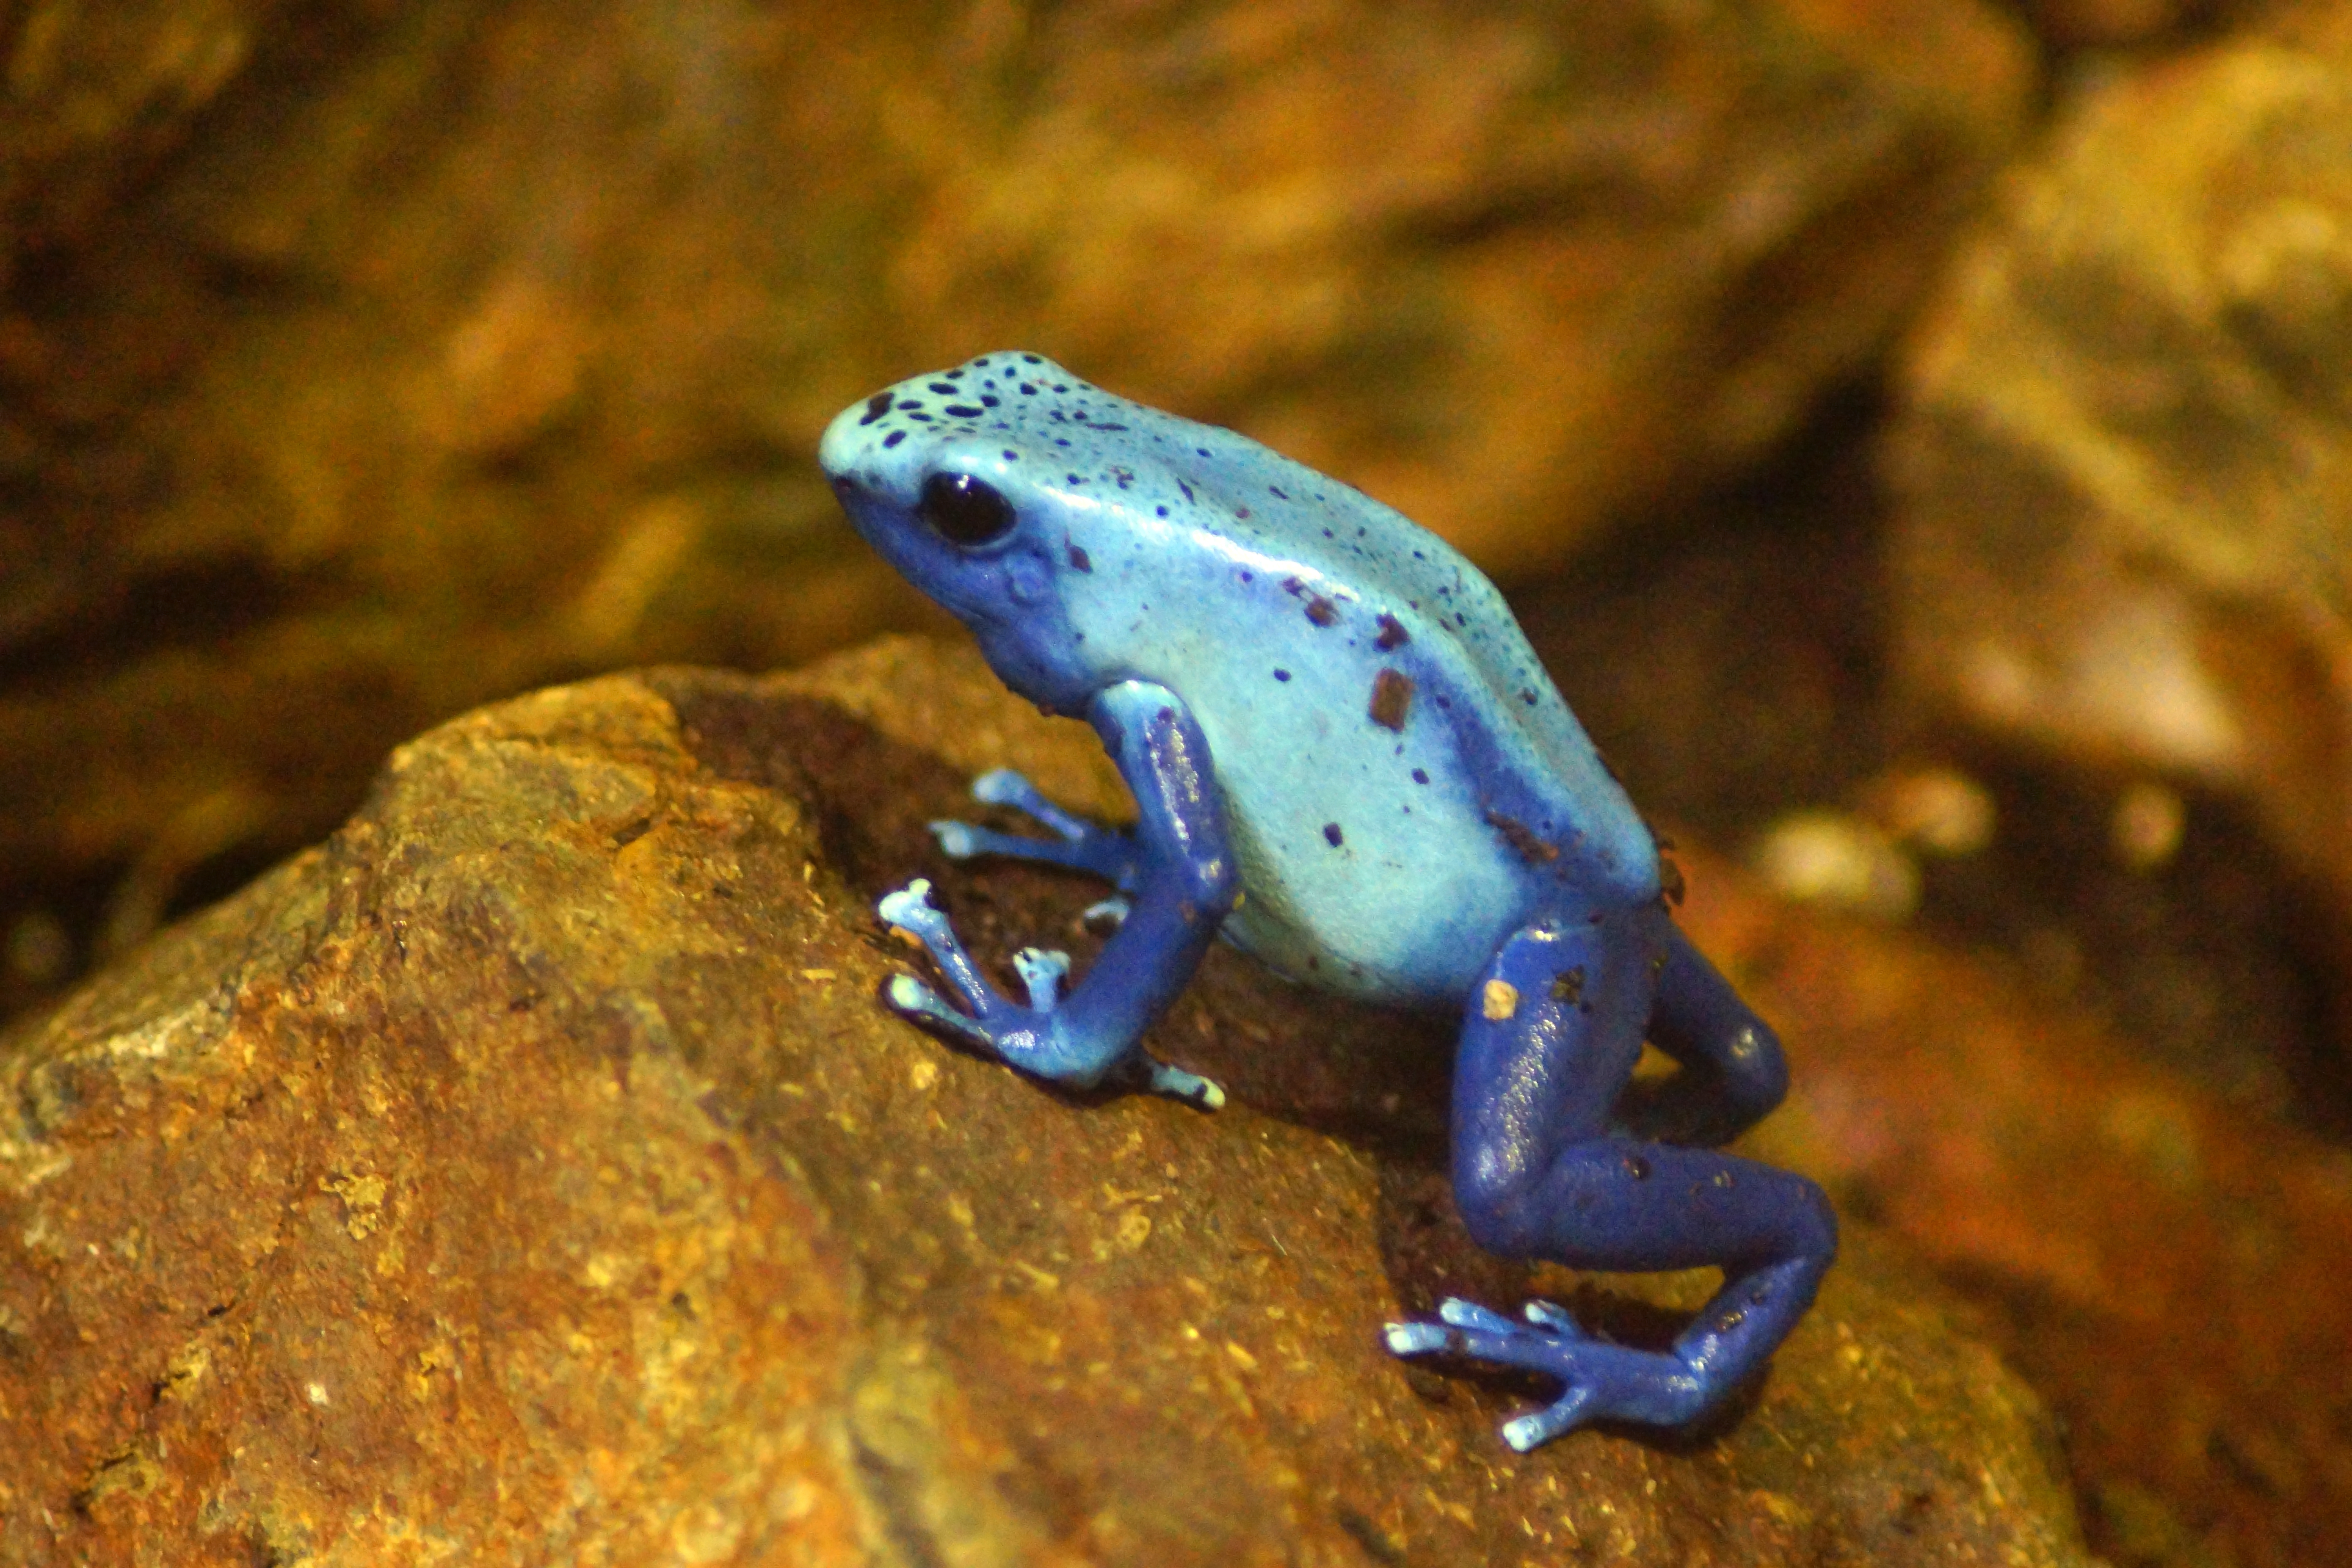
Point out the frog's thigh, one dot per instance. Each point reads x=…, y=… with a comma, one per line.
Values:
x=1551, y=1035
x=1547, y=1043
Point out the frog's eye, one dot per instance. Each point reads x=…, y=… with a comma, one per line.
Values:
x=963, y=510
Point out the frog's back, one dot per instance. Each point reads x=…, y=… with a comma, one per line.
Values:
x=1335, y=579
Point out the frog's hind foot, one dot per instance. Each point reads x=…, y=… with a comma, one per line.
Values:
x=1077, y=844
x=1601, y=1381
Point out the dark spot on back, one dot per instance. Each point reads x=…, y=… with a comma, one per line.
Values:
x=1078, y=561
x=1332, y=835
x=1392, y=634
x=1522, y=838
x=1392, y=698
x=1320, y=610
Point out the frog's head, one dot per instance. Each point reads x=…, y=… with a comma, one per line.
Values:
x=945, y=476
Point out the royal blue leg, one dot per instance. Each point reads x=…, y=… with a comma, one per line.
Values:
x=1538, y=1173
x=1185, y=881
x=1733, y=1071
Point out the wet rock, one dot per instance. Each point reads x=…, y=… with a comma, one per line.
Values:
x=458, y=348
x=2165, y=1266
x=2123, y=476
x=531, y=1172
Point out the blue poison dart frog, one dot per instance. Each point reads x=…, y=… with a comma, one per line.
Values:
x=1347, y=762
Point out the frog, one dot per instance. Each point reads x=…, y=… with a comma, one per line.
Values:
x=1347, y=762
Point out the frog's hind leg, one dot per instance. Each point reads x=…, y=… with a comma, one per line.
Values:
x=1539, y=1171
x=1733, y=1072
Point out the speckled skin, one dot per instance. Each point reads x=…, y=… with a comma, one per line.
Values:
x=1347, y=760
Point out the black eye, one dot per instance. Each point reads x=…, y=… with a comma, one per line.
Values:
x=965, y=511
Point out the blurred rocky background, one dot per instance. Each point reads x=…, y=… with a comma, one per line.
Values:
x=1918, y=433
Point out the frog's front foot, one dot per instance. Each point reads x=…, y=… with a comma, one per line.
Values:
x=1601, y=1381
x=1080, y=845
x=1037, y=1038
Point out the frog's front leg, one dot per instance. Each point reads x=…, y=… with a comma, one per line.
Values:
x=1183, y=885
x=1550, y=1037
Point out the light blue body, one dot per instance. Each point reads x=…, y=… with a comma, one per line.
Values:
x=1349, y=762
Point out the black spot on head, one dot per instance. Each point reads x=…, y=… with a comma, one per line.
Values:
x=1282, y=675
x=1031, y=359
x=1527, y=695
x=893, y=439
x=946, y=387
x=1011, y=456
x=1202, y=451
x=1187, y=489
x=1159, y=510
x=1241, y=513
x=963, y=411
x=875, y=406
x=1079, y=560
x=1276, y=491
x=1420, y=775
x=989, y=400
x=1332, y=835
x=1027, y=390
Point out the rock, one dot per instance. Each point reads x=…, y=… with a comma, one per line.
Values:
x=455, y=348
x=2124, y=474
x=2096, y=23
x=531, y=1172
x=2164, y=1266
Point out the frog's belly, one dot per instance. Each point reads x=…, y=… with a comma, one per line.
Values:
x=1407, y=916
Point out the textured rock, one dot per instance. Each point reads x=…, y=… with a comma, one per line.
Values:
x=2125, y=475
x=531, y=1174
x=466, y=346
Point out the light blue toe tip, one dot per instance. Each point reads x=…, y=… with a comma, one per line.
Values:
x=1413, y=1339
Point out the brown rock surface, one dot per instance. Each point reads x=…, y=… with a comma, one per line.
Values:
x=2125, y=475
x=2167, y=1267
x=531, y=1173
x=456, y=347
